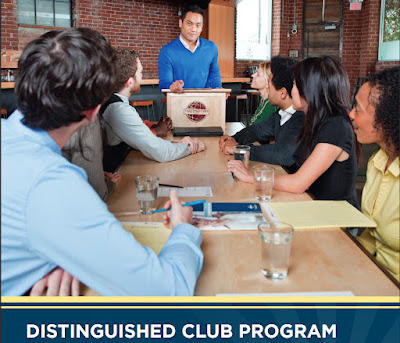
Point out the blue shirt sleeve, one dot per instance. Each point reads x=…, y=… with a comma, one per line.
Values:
x=165, y=70
x=214, y=75
x=68, y=225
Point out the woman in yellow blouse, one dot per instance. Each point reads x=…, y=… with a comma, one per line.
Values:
x=376, y=120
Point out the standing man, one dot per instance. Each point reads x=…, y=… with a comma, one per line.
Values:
x=124, y=125
x=50, y=215
x=189, y=61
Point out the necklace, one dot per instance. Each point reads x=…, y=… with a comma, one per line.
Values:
x=259, y=110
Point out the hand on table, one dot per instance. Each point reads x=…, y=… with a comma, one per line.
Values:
x=56, y=283
x=114, y=177
x=178, y=214
x=240, y=171
x=177, y=86
x=196, y=145
x=163, y=126
x=222, y=140
x=226, y=144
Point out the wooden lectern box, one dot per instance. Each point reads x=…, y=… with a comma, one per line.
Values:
x=197, y=112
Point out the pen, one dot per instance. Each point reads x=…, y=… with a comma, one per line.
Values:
x=187, y=204
x=166, y=185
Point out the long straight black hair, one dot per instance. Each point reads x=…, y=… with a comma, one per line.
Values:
x=324, y=84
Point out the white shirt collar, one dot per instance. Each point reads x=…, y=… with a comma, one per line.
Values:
x=286, y=114
x=186, y=45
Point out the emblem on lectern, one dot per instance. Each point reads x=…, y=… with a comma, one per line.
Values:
x=196, y=111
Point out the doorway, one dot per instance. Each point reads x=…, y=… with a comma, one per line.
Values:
x=322, y=28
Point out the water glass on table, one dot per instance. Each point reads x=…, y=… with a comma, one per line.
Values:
x=276, y=241
x=146, y=193
x=263, y=182
x=242, y=153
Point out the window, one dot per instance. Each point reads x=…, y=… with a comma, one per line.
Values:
x=389, y=31
x=55, y=13
x=253, y=29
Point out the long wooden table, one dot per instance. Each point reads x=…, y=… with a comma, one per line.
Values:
x=321, y=260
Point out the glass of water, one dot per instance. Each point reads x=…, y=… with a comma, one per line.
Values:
x=242, y=153
x=263, y=182
x=146, y=193
x=276, y=241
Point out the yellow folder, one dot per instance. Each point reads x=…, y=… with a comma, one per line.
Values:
x=317, y=214
x=152, y=235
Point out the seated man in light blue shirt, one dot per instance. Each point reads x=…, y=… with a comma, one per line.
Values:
x=50, y=214
x=189, y=61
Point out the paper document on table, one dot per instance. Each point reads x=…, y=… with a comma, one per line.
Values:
x=230, y=221
x=318, y=214
x=227, y=216
x=152, y=235
x=186, y=191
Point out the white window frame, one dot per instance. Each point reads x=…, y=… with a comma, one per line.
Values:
x=241, y=55
x=388, y=51
x=35, y=14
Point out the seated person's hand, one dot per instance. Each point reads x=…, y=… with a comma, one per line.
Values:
x=56, y=283
x=226, y=141
x=177, y=86
x=178, y=214
x=195, y=144
x=223, y=139
x=114, y=177
x=240, y=171
x=163, y=126
x=228, y=146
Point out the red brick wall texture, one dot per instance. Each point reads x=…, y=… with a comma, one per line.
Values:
x=147, y=25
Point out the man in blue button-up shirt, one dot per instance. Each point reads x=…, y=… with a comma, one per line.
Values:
x=50, y=215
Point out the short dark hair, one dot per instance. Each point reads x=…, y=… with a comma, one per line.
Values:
x=386, y=104
x=61, y=75
x=282, y=70
x=194, y=9
x=127, y=63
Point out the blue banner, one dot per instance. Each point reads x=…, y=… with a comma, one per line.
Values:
x=110, y=320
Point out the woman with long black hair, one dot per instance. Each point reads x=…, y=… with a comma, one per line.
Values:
x=326, y=158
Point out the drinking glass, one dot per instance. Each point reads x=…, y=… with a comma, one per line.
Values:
x=146, y=193
x=242, y=153
x=276, y=241
x=263, y=182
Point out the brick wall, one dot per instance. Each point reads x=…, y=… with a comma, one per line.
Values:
x=144, y=25
x=386, y=64
x=352, y=28
x=9, y=28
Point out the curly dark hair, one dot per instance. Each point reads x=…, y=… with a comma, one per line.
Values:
x=282, y=73
x=386, y=102
x=127, y=63
x=61, y=75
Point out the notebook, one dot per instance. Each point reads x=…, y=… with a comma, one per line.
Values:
x=317, y=214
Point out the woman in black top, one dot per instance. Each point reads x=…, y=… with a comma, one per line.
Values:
x=326, y=157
